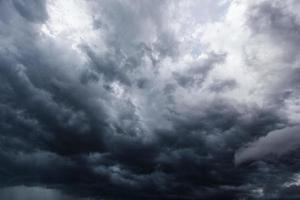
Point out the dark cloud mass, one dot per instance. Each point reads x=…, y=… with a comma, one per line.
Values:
x=149, y=100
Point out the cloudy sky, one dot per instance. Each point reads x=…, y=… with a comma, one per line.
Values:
x=149, y=99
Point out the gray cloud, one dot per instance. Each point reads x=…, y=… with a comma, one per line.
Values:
x=34, y=11
x=34, y=193
x=278, y=142
x=223, y=85
x=116, y=103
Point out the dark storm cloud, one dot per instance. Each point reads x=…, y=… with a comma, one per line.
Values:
x=278, y=24
x=65, y=124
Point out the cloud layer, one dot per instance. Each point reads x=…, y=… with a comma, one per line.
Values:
x=149, y=100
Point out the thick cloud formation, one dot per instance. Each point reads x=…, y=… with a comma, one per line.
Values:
x=149, y=99
x=277, y=142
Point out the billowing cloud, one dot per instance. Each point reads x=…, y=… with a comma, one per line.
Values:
x=149, y=99
x=278, y=142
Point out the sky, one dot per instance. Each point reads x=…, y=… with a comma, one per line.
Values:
x=149, y=99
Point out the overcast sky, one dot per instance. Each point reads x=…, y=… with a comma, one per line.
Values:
x=149, y=99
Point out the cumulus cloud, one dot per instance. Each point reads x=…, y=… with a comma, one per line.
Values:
x=148, y=100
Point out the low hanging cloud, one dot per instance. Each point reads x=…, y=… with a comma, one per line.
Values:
x=148, y=100
x=278, y=142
